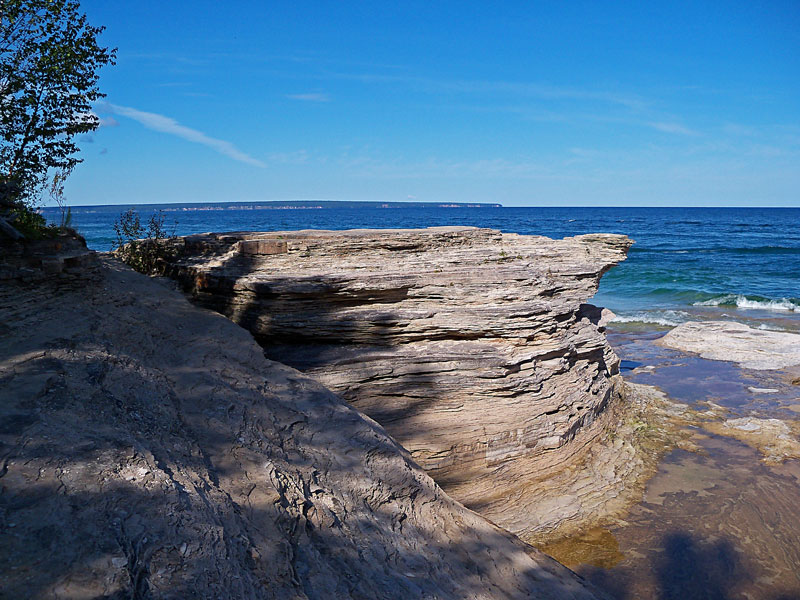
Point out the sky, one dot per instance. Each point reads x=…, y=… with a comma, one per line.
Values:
x=521, y=103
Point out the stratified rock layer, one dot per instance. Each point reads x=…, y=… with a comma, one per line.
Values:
x=473, y=348
x=149, y=450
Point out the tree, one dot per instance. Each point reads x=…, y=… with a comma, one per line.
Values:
x=49, y=63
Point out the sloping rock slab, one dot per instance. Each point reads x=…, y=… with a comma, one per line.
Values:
x=149, y=450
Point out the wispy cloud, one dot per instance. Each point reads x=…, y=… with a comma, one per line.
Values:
x=371, y=166
x=165, y=124
x=542, y=91
x=297, y=157
x=310, y=97
x=675, y=128
x=739, y=130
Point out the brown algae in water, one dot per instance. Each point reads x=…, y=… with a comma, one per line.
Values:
x=596, y=547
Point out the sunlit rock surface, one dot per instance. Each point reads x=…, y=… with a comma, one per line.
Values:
x=727, y=340
x=473, y=348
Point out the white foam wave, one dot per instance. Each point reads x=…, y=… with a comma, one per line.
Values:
x=666, y=318
x=741, y=301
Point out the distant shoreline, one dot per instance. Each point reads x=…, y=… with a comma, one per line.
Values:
x=274, y=205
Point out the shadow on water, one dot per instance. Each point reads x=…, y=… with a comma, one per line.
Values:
x=686, y=568
x=692, y=569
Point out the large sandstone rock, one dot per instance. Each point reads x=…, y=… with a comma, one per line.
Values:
x=736, y=342
x=473, y=348
x=149, y=450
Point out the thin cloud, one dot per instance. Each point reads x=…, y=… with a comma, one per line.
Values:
x=298, y=157
x=508, y=88
x=311, y=97
x=165, y=124
x=736, y=129
x=676, y=128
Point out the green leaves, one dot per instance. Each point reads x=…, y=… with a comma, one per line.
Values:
x=49, y=63
x=145, y=249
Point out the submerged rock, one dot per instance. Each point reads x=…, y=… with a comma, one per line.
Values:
x=774, y=438
x=736, y=342
x=151, y=451
x=474, y=348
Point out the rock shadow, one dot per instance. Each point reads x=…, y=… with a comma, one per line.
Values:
x=295, y=327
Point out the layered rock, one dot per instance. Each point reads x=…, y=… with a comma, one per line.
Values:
x=149, y=450
x=473, y=348
x=64, y=255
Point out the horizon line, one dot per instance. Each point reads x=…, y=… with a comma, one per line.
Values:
x=465, y=204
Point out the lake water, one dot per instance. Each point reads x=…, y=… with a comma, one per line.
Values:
x=684, y=261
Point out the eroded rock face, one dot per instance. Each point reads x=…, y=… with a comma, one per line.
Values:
x=473, y=348
x=149, y=450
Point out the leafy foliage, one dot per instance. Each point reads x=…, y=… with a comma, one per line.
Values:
x=33, y=225
x=144, y=248
x=49, y=63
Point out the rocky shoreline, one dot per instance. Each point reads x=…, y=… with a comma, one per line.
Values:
x=150, y=450
x=187, y=459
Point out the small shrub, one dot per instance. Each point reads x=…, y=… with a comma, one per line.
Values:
x=31, y=224
x=57, y=195
x=143, y=248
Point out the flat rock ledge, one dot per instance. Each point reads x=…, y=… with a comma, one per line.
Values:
x=64, y=256
x=727, y=340
x=475, y=349
x=148, y=449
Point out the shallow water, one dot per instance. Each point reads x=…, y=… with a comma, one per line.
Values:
x=714, y=523
x=720, y=524
x=694, y=380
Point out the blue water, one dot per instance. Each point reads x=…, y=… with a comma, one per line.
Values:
x=745, y=261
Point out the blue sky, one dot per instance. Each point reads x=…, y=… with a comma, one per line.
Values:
x=529, y=103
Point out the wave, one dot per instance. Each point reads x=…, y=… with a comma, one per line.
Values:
x=766, y=250
x=742, y=301
x=666, y=248
x=666, y=318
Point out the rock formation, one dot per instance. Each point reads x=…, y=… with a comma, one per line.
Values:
x=473, y=348
x=727, y=340
x=149, y=450
x=64, y=256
